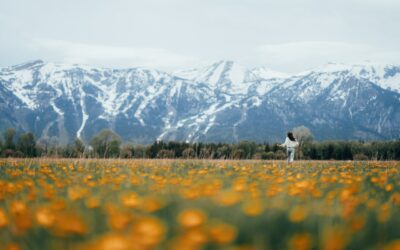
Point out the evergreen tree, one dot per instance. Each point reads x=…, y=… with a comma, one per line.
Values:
x=27, y=144
x=9, y=135
x=267, y=147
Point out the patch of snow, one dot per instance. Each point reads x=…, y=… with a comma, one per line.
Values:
x=237, y=74
x=266, y=73
x=264, y=87
x=392, y=83
x=325, y=80
x=146, y=100
x=256, y=102
x=190, y=74
x=210, y=124
x=243, y=118
x=214, y=74
x=56, y=109
x=20, y=88
x=85, y=116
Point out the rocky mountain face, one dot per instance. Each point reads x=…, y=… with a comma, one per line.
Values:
x=222, y=102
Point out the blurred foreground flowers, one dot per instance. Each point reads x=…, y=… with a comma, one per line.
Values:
x=189, y=204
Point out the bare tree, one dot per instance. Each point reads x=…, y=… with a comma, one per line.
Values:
x=304, y=136
x=106, y=143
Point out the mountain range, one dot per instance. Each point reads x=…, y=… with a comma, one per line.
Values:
x=223, y=102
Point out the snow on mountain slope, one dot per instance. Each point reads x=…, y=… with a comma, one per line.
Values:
x=266, y=73
x=91, y=93
x=222, y=102
x=384, y=75
x=109, y=85
x=226, y=76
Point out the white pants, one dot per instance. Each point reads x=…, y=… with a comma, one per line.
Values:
x=290, y=153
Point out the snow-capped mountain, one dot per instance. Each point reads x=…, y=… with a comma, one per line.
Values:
x=222, y=102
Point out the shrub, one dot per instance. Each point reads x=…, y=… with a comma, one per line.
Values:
x=238, y=154
x=127, y=151
x=165, y=153
x=269, y=155
x=188, y=153
x=280, y=155
x=360, y=157
x=8, y=153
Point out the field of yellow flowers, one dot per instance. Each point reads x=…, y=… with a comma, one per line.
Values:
x=195, y=204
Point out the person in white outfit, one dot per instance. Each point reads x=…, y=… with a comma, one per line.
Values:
x=290, y=143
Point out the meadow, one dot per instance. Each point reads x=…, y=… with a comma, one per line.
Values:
x=198, y=204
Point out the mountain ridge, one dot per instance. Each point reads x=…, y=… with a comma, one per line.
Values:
x=222, y=102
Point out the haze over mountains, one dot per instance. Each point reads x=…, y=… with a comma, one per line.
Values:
x=224, y=102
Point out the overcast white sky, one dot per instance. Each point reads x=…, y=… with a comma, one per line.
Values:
x=285, y=35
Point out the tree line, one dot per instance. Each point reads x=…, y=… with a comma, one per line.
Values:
x=107, y=144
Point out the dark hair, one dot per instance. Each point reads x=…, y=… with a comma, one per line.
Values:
x=290, y=136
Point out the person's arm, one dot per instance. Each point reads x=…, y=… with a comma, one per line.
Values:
x=285, y=143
